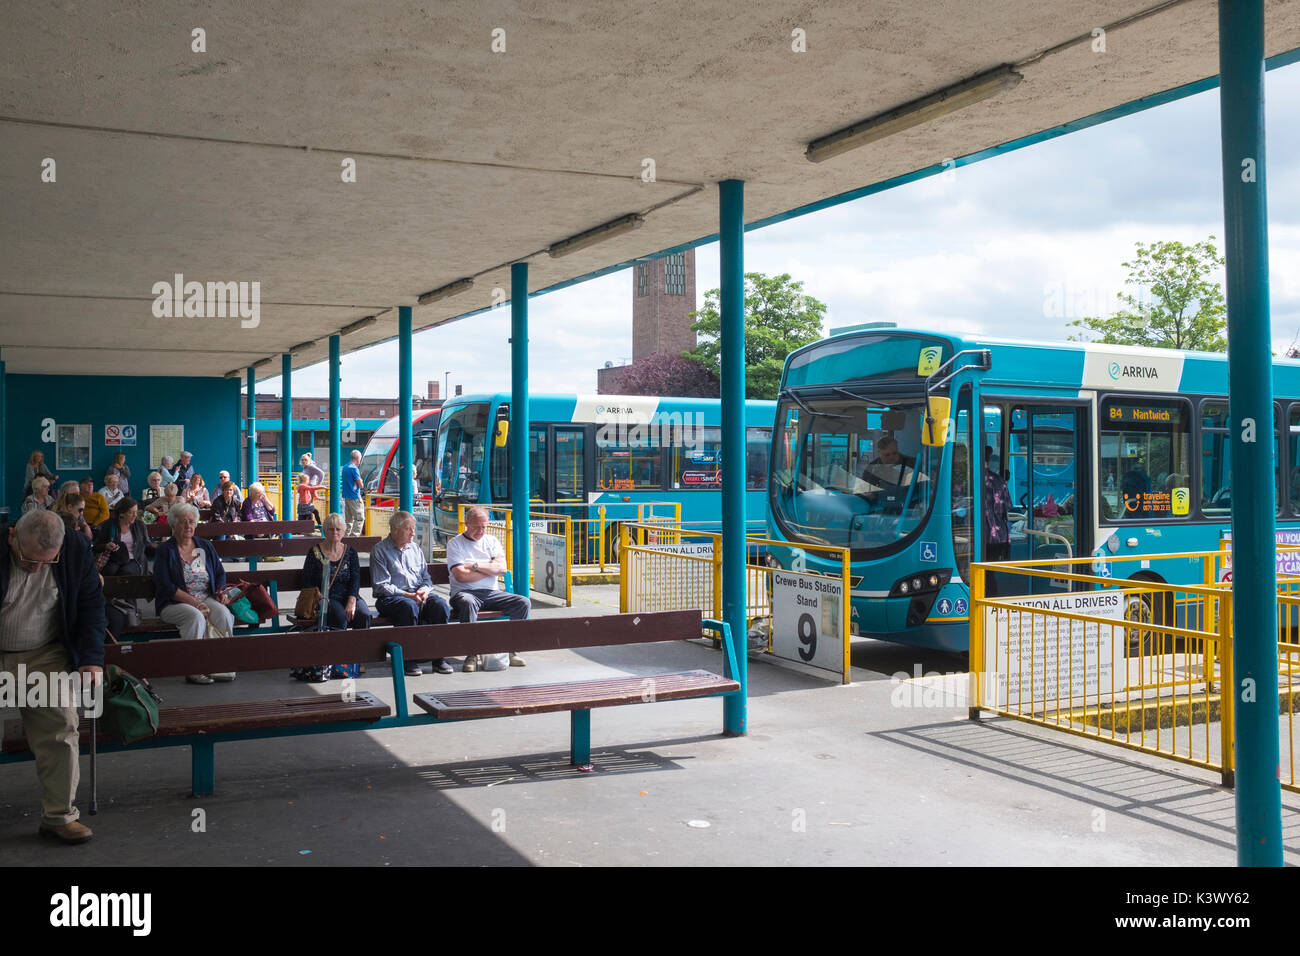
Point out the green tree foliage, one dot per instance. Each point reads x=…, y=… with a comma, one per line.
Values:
x=779, y=318
x=1178, y=306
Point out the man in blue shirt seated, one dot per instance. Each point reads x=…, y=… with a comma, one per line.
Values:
x=399, y=578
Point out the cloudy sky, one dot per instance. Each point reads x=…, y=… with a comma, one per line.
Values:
x=1024, y=241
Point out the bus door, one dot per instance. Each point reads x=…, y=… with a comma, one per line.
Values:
x=1045, y=467
x=556, y=471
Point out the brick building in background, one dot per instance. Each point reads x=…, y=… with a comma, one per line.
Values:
x=311, y=424
x=663, y=298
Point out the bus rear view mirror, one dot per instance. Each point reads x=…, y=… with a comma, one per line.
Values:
x=934, y=430
x=503, y=433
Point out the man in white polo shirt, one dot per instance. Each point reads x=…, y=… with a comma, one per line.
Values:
x=474, y=560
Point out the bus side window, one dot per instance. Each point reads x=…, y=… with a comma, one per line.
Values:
x=758, y=444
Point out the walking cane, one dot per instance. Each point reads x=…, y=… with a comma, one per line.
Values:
x=94, y=777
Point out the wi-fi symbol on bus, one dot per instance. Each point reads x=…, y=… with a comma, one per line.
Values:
x=930, y=357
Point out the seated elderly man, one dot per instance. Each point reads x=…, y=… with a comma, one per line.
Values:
x=474, y=559
x=399, y=578
x=96, y=504
x=52, y=622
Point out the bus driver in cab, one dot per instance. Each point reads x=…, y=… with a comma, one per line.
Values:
x=888, y=472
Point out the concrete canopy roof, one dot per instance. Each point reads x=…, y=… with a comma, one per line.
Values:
x=225, y=165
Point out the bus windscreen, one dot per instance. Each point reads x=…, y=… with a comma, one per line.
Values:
x=853, y=474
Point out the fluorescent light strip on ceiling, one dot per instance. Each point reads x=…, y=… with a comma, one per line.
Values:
x=928, y=108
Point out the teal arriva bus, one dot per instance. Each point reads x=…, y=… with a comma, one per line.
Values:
x=1104, y=450
x=585, y=451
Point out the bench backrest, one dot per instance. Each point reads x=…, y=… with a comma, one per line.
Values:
x=212, y=529
x=286, y=579
x=283, y=547
x=175, y=658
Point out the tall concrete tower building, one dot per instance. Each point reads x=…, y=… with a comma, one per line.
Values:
x=663, y=298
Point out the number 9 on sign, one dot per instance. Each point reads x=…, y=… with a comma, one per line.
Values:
x=807, y=637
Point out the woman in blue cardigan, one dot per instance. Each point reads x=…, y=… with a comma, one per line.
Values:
x=188, y=581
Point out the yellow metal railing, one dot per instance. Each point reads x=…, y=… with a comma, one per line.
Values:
x=594, y=540
x=1136, y=663
x=674, y=568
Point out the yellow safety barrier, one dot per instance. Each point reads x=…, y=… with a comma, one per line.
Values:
x=377, y=515
x=594, y=541
x=672, y=568
x=1140, y=664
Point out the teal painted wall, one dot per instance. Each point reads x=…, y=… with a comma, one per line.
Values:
x=205, y=406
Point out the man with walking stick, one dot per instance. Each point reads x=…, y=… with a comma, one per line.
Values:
x=52, y=622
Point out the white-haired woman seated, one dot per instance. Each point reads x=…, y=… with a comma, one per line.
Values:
x=188, y=580
x=39, y=499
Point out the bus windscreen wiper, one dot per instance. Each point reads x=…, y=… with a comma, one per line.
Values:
x=862, y=398
x=800, y=402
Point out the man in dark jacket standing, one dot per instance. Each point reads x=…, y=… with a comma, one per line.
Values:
x=52, y=622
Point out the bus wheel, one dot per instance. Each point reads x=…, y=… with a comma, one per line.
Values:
x=1140, y=640
x=1151, y=613
x=612, y=535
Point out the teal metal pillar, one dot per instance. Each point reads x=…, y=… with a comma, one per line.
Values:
x=4, y=439
x=405, y=450
x=731, y=252
x=239, y=431
x=336, y=429
x=1250, y=399
x=250, y=461
x=519, y=422
x=288, y=507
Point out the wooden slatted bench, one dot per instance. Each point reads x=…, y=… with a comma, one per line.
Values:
x=202, y=726
x=141, y=587
x=282, y=547
x=213, y=529
x=290, y=579
x=579, y=698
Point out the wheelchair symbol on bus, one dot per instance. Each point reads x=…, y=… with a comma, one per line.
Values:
x=961, y=606
x=929, y=551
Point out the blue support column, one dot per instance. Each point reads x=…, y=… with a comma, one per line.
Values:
x=4, y=438
x=288, y=509
x=405, y=449
x=519, y=422
x=203, y=768
x=731, y=244
x=580, y=738
x=239, y=431
x=250, y=462
x=336, y=429
x=1250, y=397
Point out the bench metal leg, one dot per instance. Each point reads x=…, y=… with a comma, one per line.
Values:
x=580, y=738
x=203, y=768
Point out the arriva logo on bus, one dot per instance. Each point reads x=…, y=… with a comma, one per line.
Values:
x=214, y=300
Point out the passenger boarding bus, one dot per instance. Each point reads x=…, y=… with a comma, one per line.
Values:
x=591, y=450
x=1104, y=450
x=380, y=460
